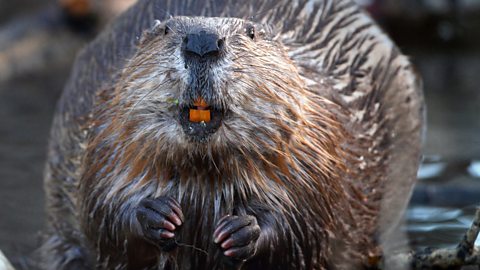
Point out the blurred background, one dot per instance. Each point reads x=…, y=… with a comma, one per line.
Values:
x=442, y=37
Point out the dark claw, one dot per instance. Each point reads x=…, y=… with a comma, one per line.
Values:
x=237, y=237
x=241, y=253
x=159, y=219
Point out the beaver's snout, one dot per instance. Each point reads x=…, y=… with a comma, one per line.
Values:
x=202, y=45
x=201, y=51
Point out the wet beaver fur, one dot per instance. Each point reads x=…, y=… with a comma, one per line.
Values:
x=314, y=134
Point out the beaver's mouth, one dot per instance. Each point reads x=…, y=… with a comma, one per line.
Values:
x=200, y=120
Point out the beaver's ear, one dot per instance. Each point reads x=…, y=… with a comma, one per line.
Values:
x=154, y=30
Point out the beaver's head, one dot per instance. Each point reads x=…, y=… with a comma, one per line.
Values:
x=214, y=82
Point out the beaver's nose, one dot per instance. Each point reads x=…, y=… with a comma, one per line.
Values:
x=202, y=44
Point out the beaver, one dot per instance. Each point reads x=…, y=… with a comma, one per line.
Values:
x=220, y=134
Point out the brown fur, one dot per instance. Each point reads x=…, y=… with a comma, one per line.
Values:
x=288, y=152
x=293, y=163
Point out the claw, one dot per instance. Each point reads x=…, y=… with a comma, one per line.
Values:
x=159, y=219
x=237, y=237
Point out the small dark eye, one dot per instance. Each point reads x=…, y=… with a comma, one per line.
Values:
x=167, y=30
x=250, y=31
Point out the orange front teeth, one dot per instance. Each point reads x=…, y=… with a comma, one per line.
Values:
x=201, y=113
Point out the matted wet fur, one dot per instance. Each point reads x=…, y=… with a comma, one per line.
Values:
x=315, y=132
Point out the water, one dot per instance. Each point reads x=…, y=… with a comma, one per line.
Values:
x=440, y=227
x=448, y=189
x=441, y=208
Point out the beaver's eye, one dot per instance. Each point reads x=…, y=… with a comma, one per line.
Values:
x=167, y=30
x=250, y=30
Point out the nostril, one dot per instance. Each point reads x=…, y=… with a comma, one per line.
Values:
x=220, y=44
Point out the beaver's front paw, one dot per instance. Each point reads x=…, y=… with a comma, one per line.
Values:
x=237, y=237
x=159, y=219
